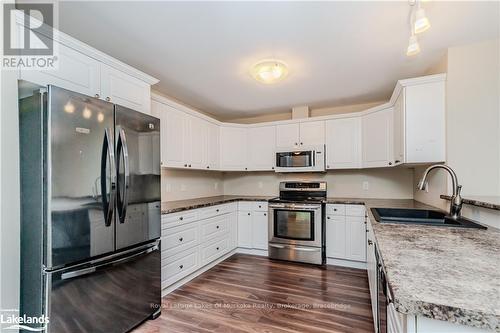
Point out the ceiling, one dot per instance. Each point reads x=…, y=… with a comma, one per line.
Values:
x=339, y=53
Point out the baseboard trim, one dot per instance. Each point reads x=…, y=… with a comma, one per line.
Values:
x=199, y=271
x=255, y=252
x=346, y=263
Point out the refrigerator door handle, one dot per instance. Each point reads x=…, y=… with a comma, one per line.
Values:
x=89, y=270
x=123, y=149
x=108, y=152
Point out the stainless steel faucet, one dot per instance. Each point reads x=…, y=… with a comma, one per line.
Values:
x=456, y=199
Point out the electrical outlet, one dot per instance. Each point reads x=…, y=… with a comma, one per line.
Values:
x=366, y=186
x=183, y=187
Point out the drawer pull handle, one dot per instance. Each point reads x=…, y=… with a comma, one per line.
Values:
x=181, y=218
x=181, y=266
x=217, y=227
x=181, y=239
x=217, y=248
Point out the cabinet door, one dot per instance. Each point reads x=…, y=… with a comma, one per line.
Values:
x=261, y=147
x=195, y=142
x=76, y=72
x=125, y=90
x=233, y=229
x=174, y=147
x=371, y=267
x=312, y=133
x=259, y=230
x=213, y=147
x=233, y=152
x=336, y=237
x=287, y=135
x=377, y=139
x=356, y=238
x=343, y=143
x=399, y=128
x=158, y=110
x=245, y=229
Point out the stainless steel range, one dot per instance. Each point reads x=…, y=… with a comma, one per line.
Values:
x=297, y=223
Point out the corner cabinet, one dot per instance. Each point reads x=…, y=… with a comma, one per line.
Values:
x=377, y=133
x=233, y=148
x=261, y=148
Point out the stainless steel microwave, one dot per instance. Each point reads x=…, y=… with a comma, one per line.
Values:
x=301, y=159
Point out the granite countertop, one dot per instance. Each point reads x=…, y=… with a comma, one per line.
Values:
x=491, y=202
x=444, y=273
x=169, y=207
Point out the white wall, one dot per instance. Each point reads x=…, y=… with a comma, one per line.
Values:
x=383, y=183
x=188, y=184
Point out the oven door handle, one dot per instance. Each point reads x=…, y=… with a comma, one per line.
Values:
x=306, y=249
x=295, y=207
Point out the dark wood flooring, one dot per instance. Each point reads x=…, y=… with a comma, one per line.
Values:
x=254, y=294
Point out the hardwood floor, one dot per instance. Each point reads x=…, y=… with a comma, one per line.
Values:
x=254, y=294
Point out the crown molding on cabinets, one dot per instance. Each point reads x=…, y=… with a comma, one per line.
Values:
x=414, y=81
x=67, y=40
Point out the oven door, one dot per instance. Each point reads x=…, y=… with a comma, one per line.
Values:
x=296, y=224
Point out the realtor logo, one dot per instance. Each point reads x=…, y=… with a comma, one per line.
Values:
x=28, y=36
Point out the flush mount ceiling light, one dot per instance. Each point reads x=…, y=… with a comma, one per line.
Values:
x=269, y=71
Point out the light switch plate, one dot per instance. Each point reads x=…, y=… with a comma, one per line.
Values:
x=366, y=186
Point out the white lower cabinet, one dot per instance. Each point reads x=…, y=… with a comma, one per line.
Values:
x=253, y=225
x=245, y=229
x=214, y=250
x=371, y=268
x=259, y=230
x=178, y=266
x=346, y=233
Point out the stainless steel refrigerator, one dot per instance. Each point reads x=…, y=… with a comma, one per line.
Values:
x=90, y=212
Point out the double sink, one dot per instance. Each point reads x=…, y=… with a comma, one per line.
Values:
x=422, y=217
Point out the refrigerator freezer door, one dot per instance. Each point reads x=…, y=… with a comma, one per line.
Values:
x=80, y=178
x=137, y=139
x=112, y=296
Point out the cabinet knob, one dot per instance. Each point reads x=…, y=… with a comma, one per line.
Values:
x=217, y=227
x=397, y=161
x=260, y=206
x=296, y=144
x=208, y=166
x=181, y=266
x=272, y=168
x=328, y=217
x=217, y=248
x=97, y=96
x=246, y=168
x=390, y=163
x=181, y=218
x=301, y=143
x=189, y=165
x=248, y=213
x=370, y=242
x=108, y=99
x=217, y=210
x=185, y=165
x=181, y=239
x=335, y=209
x=265, y=214
x=328, y=166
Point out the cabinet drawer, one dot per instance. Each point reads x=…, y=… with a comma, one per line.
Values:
x=335, y=209
x=260, y=206
x=214, y=227
x=175, y=219
x=179, y=238
x=209, y=212
x=214, y=250
x=355, y=210
x=175, y=268
x=245, y=205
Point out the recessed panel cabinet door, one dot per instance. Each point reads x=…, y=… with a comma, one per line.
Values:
x=233, y=148
x=336, y=236
x=261, y=147
x=245, y=229
x=343, y=143
x=377, y=139
x=399, y=128
x=287, y=135
x=76, y=72
x=312, y=133
x=213, y=146
x=197, y=130
x=174, y=145
x=125, y=90
x=259, y=230
x=356, y=238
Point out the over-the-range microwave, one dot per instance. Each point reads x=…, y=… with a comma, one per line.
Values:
x=300, y=159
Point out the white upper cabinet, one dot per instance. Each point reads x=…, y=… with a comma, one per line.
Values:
x=233, y=148
x=424, y=122
x=377, y=139
x=261, y=148
x=76, y=72
x=399, y=129
x=174, y=149
x=213, y=143
x=158, y=111
x=123, y=89
x=343, y=143
x=287, y=135
x=195, y=140
x=312, y=133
